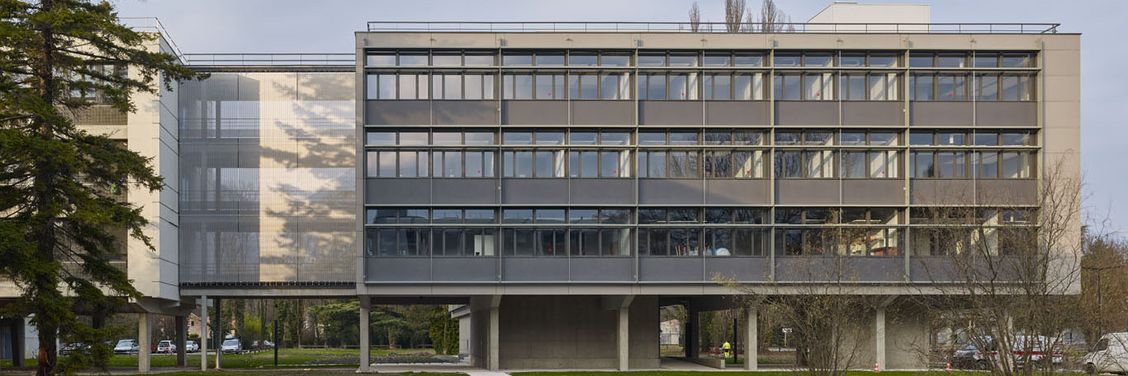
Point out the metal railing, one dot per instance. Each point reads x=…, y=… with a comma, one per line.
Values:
x=711, y=27
x=270, y=59
x=152, y=24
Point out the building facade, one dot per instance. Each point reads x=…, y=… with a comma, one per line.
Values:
x=564, y=181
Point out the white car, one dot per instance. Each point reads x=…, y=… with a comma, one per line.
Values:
x=126, y=346
x=191, y=346
x=232, y=345
x=166, y=346
x=1109, y=355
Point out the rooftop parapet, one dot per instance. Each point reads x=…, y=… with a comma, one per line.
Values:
x=709, y=27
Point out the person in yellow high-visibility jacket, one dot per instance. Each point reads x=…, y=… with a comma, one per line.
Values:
x=726, y=349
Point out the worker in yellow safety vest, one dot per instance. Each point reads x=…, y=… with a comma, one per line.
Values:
x=726, y=348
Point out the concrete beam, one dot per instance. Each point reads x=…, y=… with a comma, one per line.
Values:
x=144, y=342
x=751, y=342
x=365, y=350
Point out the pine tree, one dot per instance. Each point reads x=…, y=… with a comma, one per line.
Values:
x=57, y=182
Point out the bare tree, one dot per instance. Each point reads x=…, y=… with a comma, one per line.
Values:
x=1012, y=270
x=734, y=15
x=695, y=17
x=1104, y=286
x=829, y=320
x=773, y=19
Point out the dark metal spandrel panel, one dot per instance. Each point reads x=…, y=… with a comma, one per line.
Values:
x=603, y=112
x=840, y=269
x=397, y=269
x=466, y=112
x=737, y=192
x=534, y=269
x=1006, y=191
x=672, y=269
x=873, y=113
x=737, y=113
x=397, y=113
x=873, y=192
x=602, y=269
x=941, y=191
x=941, y=113
x=741, y=269
x=602, y=191
x=397, y=191
x=464, y=269
x=670, y=192
x=534, y=191
x=464, y=191
x=995, y=114
x=806, y=113
x=807, y=191
x=533, y=112
x=670, y=112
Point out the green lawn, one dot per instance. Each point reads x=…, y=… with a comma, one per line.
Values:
x=693, y=373
x=290, y=358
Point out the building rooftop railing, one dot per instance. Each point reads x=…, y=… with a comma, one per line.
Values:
x=270, y=59
x=711, y=27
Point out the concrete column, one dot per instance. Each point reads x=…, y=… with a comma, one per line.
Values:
x=495, y=338
x=691, y=334
x=365, y=360
x=623, y=336
x=879, y=338
x=751, y=342
x=204, y=333
x=144, y=342
x=181, y=341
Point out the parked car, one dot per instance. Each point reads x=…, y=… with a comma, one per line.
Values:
x=1110, y=354
x=70, y=348
x=191, y=346
x=972, y=357
x=126, y=346
x=166, y=346
x=232, y=345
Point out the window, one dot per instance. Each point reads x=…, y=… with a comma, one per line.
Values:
x=787, y=86
x=652, y=87
x=517, y=86
x=549, y=86
x=748, y=60
x=683, y=164
x=480, y=59
x=922, y=85
x=583, y=86
x=651, y=59
x=652, y=164
x=951, y=87
x=413, y=59
x=381, y=86
x=786, y=60
x=614, y=86
x=1015, y=165
x=445, y=59
x=748, y=86
x=683, y=59
x=550, y=59
x=583, y=59
x=517, y=59
x=988, y=87
x=380, y=59
x=717, y=87
x=717, y=60
x=614, y=59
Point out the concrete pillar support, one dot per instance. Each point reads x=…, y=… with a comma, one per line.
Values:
x=204, y=333
x=494, y=363
x=879, y=338
x=181, y=341
x=751, y=344
x=623, y=336
x=365, y=360
x=144, y=342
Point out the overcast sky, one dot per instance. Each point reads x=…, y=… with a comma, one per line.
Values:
x=290, y=26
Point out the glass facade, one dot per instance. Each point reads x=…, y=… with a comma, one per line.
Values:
x=267, y=178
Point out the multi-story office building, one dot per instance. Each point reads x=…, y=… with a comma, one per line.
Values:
x=566, y=180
